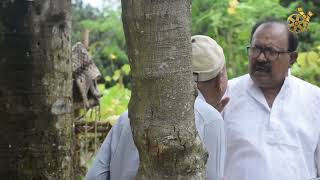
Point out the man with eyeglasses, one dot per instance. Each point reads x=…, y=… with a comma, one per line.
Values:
x=273, y=119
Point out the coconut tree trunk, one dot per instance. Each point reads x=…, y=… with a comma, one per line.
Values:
x=35, y=90
x=161, y=106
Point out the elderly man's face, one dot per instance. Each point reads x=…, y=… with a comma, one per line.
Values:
x=269, y=69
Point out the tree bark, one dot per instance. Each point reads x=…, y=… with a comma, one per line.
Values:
x=157, y=33
x=85, y=37
x=36, y=136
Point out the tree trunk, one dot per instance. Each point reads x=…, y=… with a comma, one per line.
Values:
x=85, y=37
x=36, y=136
x=161, y=107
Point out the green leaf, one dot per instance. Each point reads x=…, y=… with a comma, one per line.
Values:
x=107, y=78
x=101, y=88
x=116, y=75
x=126, y=69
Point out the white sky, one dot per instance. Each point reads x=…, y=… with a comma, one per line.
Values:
x=99, y=3
x=94, y=3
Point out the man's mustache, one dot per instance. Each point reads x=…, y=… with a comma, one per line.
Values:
x=266, y=67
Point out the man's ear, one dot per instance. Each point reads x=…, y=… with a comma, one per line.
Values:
x=293, y=58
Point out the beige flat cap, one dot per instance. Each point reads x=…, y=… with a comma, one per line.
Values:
x=207, y=58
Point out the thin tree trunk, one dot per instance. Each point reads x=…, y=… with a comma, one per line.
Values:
x=85, y=37
x=35, y=90
x=161, y=107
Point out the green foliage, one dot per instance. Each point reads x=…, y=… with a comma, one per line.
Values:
x=307, y=66
x=107, y=43
x=126, y=69
x=229, y=22
x=79, y=13
x=114, y=102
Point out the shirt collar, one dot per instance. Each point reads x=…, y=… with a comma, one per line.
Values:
x=257, y=94
x=200, y=96
x=202, y=99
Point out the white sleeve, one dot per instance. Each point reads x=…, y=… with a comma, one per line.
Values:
x=317, y=158
x=100, y=169
x=215, y=142
x=316, y=113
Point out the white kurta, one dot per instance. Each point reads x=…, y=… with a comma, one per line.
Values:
x=282, y=143
x=118, y=157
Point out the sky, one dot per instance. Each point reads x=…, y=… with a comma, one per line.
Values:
x=99, y=3
x=94, y=3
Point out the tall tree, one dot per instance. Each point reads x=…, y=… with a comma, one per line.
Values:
x=161, y=106
x=35, y=90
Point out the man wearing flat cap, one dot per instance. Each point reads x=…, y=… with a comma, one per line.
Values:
x=118, y=157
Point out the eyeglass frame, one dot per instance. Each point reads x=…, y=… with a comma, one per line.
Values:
x=264, y=50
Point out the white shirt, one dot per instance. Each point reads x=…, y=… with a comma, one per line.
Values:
x=118, y=157
x=282, y=143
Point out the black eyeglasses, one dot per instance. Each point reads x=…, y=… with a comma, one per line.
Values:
x=269, y=53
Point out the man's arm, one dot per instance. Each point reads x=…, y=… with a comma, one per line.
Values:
x=210, y=127
x=112, y=157
x=100, y=169
x=214, y=139
x=316, y=113
x=317, y=158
